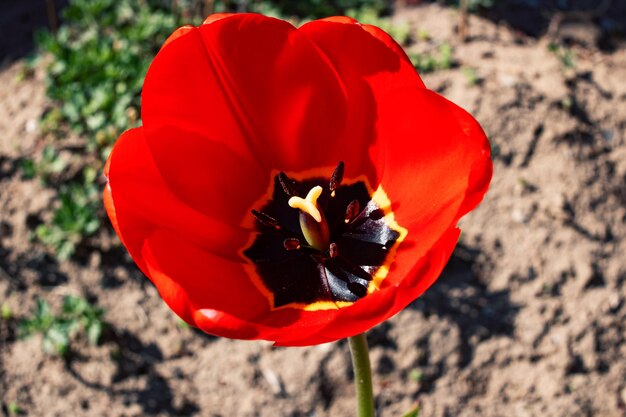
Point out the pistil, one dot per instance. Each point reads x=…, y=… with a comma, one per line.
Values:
x=312, y=221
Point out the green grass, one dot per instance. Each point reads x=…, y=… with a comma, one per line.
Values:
x=75, y=217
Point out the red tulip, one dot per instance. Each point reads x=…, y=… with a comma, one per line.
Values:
x=294, y=185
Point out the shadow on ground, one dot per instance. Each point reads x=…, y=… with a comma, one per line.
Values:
x=19, y=20
x=462, y=296
x=593, y=23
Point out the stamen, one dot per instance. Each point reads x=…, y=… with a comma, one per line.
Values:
x=287, y=184
x=336, y=178
x=352, y=211
x=291, y=244
x=332, y=250
x=265, y=220
x=308, y=204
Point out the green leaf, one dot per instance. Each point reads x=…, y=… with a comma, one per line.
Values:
x=28, y=168
x=78, y=317
x=56, y=340
x=94, y=331
x=413, y=412
x=5, y=312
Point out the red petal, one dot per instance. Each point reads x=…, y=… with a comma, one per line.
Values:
x=215, y=17
x=222, y=324
x=369, y=64
x=429, y=162
x=110, y=208
x=140, y=202
x=482, y=170
x=177, y=34
x=189, y=279
x=363, y=51
x=206, y=174
x=253, y=83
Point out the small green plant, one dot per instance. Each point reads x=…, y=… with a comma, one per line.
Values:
x=413, y=412
x=323, y=8
x=426, y=62
x=416, y=375
x=5, y=312
x=27, y=69
x=471, y=76
x=51, y=163
x=14, y=409
x=77, y=316
x=75, y=218
x=564, y=54
x=423, y=35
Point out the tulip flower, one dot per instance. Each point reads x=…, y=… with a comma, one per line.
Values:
x=293, y=185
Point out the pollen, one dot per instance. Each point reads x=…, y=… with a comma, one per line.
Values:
x=308, y=204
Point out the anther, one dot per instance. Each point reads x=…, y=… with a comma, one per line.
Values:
x=287, y=184
x=336, y=178
x=265, y=220
x=291, y=244
x=352, y=211
x=332, y=250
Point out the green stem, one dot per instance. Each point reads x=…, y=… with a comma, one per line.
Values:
x=362, y=375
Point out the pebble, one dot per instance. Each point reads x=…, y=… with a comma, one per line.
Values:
x=518, y=216
x=31, y=126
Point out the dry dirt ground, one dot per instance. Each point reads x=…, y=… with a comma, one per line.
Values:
x=527, y=320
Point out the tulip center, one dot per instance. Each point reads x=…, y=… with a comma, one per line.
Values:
x=322, y=243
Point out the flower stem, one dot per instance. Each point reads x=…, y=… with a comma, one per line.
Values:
x=362, y=375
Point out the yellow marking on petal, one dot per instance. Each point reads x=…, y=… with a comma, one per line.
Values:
x=308, y=204
x=382, y=200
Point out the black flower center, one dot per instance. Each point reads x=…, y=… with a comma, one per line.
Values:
x=322, y=243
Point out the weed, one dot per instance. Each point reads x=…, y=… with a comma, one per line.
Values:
x=426, y=62
x=320, y=8
x=5, y=312
x=77, y=316
x=50, y=164
x=413, y=412
x=416, y=375
x=75, y=218
x=471, y=76
x=14, y=409
x=423, y=35
x=27, y=69
x=564, y=54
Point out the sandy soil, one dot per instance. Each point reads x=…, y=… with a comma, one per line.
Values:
x=527, y=320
